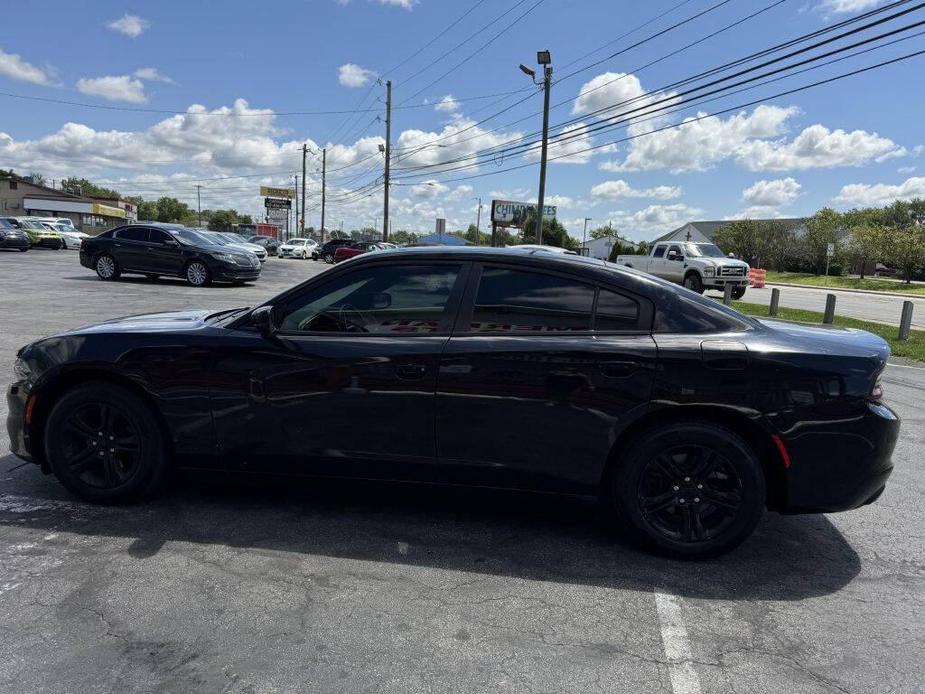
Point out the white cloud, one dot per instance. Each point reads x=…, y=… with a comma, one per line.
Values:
x=152, y=74
x=558, y=200
x=905, y=169
x=429, y=189
x=614, y=190
x=607, y=89
x=114, y=88
x=405, y=4
x=570, y=151
x=130, y=25
x=877, y=194
x=447, y=104
x=458, y=138
x=846, y=6
x=14, y=67
x=653, y=220
x=351, y=75
x=755, y=141
x=776, y=193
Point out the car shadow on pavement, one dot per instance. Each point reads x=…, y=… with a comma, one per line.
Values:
x=528, y=536
x=163, y=280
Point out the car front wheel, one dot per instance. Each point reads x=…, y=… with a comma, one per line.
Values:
x=197, y=274
x=328, y=258
x=107, y=268
x=104, y=445
x=738, y=292
x=692, y=282
x=691, y=490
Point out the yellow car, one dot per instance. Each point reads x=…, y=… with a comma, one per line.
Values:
x=41, y=234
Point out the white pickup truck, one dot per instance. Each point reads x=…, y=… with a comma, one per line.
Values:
x=698, y=266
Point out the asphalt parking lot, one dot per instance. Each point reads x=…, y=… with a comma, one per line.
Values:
x=323, y=587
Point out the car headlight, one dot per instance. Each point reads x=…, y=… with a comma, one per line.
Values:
x=225, y=257
x=21, y=370
x=709, y=271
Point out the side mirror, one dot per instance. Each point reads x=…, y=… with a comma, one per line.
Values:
x=262, y=316
x=732, y=255
x=381, y=300
x=173, y=243
x=675, y=256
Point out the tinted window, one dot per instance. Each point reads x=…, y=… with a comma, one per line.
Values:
x=659, y=252
x=5, y=224
x=158, y=236
x=382, y=300
x=515, y=301
x=615, y=311
x=134, y=234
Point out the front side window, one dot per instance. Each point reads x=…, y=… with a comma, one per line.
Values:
x=393, y=299
x=511, y=301
x=659, y=252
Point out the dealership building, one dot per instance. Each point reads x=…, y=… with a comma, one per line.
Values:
x=21, y=197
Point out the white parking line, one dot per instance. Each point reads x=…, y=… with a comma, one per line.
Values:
x=684, y=679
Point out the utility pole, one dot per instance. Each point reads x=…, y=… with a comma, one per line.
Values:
x=544, y=59
x=296, y=177
x=302, y=225
x=388, y=157
x=584, y=234
x=324, y=172
x=199, y=203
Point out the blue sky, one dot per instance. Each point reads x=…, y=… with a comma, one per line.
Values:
x=247, y=65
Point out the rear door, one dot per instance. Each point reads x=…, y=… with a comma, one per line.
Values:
x=657, y=260
x=130, y=248
x=533, y=384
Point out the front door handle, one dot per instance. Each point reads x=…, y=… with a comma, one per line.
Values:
x=411, y=371
x=618, y=369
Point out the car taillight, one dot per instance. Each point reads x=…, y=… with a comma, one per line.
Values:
x=876, y=393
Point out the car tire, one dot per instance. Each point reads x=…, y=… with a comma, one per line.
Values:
x=657, y=498
x=692, y=281
x=738, y=292
x=197, y=274
x=328, y=258
x=107, y=419
x=107, y=268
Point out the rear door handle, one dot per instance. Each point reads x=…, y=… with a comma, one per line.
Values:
x=411, y=371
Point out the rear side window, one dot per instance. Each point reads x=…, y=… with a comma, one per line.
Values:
x=616, y=312
x=659, y=252
x=510, y=301
x=134, y=234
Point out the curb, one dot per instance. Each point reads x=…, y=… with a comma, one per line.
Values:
x=902, y=295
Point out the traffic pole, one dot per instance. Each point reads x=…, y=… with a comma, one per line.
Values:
x=324, y=171
x=388, y=157
x=541, y=198
x=302, y=225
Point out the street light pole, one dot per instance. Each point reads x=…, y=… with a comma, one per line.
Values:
x=544, y=59
x=478, y=223
x=584, y=234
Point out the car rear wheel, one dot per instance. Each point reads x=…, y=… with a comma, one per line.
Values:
x=107, y=268
x=104, y=445
x=197, y=274
x=692, y=282
x=691, y=490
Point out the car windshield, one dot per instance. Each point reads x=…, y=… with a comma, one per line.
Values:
x=190, y=237
x=705, y=250
x=237, y=238
x=30, y=224
x=5, y=224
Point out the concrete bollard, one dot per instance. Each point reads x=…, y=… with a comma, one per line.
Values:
x=727, y=294
x=775, y=300
x=829, y=316
x=905, y=323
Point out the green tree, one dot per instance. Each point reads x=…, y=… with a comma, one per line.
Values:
x=821, y=229
x=867, y=240
x=744, y=237
x=554, y=234
x=224, y=220
x=906, y=249
x=601, y=232
x=779, y=245
x=90, y=189
x=37, y=178
x=172, y=210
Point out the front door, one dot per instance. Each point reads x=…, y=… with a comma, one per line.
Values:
x=534, y=384
x=346, y=386
x=164, y=255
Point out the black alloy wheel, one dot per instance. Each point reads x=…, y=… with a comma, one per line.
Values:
x=738, y=292
x=691, y=490
x=329, y=258
x=197, y=274
x=104, y=444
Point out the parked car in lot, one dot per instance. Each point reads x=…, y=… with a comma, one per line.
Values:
x=268, y=242
x=480, y=367
x=230, y=240
x=297, y=248
x=12, y=237
x=41, y=234
x=327, y=251
x=168, y=250
x=345, y=252
x=698, y=266
x=71, y=237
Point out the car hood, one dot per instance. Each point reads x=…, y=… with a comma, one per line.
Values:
x=830, y=339
x=721, y=262
x=149, y=322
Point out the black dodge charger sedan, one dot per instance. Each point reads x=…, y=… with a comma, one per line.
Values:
x=476, y=367
x=172, y=250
